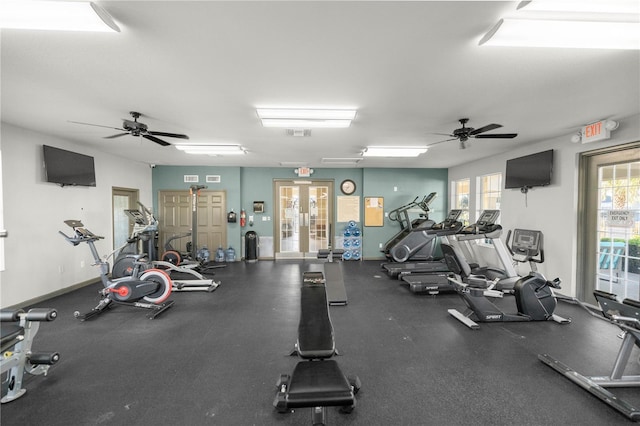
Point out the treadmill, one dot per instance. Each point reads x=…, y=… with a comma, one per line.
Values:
x=449, y=226
x=431, y=277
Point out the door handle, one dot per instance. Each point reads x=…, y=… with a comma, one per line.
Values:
x=4, y=233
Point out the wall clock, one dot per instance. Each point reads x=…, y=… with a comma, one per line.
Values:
x=348, y=187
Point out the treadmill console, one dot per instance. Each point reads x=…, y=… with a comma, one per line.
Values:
x=451, y=221
x=485, y=224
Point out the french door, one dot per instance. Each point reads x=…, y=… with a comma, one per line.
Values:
x=609, y=235
x=303, y=219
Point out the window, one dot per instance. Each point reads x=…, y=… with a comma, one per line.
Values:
x=489, y=189
x=460, y=198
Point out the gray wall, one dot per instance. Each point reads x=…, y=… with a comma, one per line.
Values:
x=38, y=261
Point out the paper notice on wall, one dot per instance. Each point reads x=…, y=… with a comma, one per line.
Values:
x=348, y=208
x=619, y=218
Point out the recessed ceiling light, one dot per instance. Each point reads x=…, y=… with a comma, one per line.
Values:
x=55, y=15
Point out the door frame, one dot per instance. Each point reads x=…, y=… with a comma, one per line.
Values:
x=134, y=197
x=587, y=239
x=330, y=183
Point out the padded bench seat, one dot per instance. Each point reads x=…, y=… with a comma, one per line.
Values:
x=319, y=383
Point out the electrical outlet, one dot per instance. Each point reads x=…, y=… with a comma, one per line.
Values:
x=82, y=263
x=380, y=245
x=61, y=269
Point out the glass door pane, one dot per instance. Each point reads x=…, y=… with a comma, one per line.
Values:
x=618, y=229
x=289, y=219
x=318, y=218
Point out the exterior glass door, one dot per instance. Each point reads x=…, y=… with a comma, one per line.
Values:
x=304, y=216
x=612, y=242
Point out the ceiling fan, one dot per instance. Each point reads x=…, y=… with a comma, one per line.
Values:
x=464, y=133
x=136, y=128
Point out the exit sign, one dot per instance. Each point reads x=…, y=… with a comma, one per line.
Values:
x=595, y=132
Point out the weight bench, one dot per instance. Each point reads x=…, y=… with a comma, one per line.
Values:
x=317, y=381
x=18, y=330
x=334, y=281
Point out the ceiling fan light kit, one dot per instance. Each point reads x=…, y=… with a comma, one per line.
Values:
x=569, y=24
x=55, y=15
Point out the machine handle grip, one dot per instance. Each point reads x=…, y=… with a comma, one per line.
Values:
x=41, y=314
x=10, y=315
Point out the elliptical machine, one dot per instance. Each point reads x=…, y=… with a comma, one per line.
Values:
x=148, y=290
x=535, y=299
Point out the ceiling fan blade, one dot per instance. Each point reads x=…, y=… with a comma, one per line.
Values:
x=170, y=135
x=439, y=142
x=116, y=136
x=96, y=125
x=497, y=136
x=485, y=129
x=156, y=140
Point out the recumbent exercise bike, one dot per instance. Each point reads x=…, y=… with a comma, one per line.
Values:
x=535, y=299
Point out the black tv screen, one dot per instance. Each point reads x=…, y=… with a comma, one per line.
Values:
x=68, y=168
x=529, y=171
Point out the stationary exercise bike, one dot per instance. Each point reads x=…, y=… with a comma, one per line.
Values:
x=141, y=247
x=148, y=290
x=534, y=294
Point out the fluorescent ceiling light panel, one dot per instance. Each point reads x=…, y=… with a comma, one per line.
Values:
x=305, y=124
x=394, y=151
x=55, y=15
x=567, y=34
x=211, y=149
x=343, y=161
x=307, y=114
x=582, y=6
x=293, y=118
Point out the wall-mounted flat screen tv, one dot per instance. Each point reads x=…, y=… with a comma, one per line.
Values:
x=529, y=171
x=68, y=168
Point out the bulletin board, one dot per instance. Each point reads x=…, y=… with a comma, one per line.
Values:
x=373, y=211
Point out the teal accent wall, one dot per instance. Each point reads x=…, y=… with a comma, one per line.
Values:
x=399, y=187
x=244, y=185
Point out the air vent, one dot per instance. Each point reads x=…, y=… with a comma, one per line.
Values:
x=299, y=133
x=191, y=178
x=213, y=179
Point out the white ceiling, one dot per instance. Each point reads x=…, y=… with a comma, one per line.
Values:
x=411, y=69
